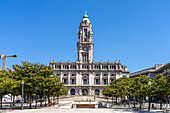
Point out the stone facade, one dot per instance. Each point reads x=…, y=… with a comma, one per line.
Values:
x=86, y=77
x=152, y=71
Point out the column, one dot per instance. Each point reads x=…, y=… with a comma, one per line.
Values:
x=108, y=78
x=68, y=77
x=77, y=79
x=80, y=91
x=101, y=78
x=90, y=78
x=90, y=93
x=61, y=77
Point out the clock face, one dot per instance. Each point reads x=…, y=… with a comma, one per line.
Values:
x=85, y=49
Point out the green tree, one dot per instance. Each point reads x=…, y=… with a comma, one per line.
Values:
x=159, y=87
x=45, y=74
x=167, y=87
x=30, y=73
x=108, y=92
x=7, y=83
x=139, y=86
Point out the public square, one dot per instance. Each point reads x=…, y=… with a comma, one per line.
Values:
x=84, y=56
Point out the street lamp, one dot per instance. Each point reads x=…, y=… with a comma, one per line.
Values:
x=4, y=57
x=22, y=95
x=149, y=96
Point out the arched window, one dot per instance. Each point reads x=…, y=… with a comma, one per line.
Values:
x=72, y=91
x=97, y=92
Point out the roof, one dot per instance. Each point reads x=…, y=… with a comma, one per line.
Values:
x=85, y=18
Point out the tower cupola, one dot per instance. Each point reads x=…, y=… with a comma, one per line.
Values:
x=85, y=40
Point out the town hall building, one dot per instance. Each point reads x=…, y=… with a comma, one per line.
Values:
x=86, y=77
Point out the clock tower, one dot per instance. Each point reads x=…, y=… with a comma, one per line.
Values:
x=85, y=40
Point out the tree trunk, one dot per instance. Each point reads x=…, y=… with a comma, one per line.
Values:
x=112, y=100
x=45, y=101
x=1, y=100
x=49, y=100
x=140, y=102
x=129, y=100
x=53, y=100
x=166, y=101
x=134, y=101
x=116, y=100
x=30, y=101
x=25, y=98
x=41, y=101
x=125, y=101
x=13, y=100
x=57, y=99
x=160, y=102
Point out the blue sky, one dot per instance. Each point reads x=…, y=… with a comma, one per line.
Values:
x=135, y=31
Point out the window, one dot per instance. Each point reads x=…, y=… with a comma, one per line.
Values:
x=72, y=91
x=97, y=81
x=104, y=81
x=112, y=80
x=85, y=57
x=104, y=75
x=85, y=32
x=73, y=81
x=84, y=81
x=85, y=22
x=65, y=74
x=97, y=92
x=65, y=81
x=97, y=75
x=72, y=74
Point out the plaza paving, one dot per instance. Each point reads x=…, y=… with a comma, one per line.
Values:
x=84, y=110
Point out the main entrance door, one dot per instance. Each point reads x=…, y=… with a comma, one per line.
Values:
x=84, y=92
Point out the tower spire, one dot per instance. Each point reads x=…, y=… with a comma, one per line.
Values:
x=85, y=44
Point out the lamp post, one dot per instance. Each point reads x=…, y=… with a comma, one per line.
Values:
x=4, y=57
x=149, y=96
x=22, y=96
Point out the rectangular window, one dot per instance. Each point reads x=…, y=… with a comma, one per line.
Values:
x=104, y=81
x=85, y=32
x=73, y=81
x=65, y=81
x=97, y=81
x=84, y=81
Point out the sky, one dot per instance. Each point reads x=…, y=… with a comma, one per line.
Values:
x=137, y=32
